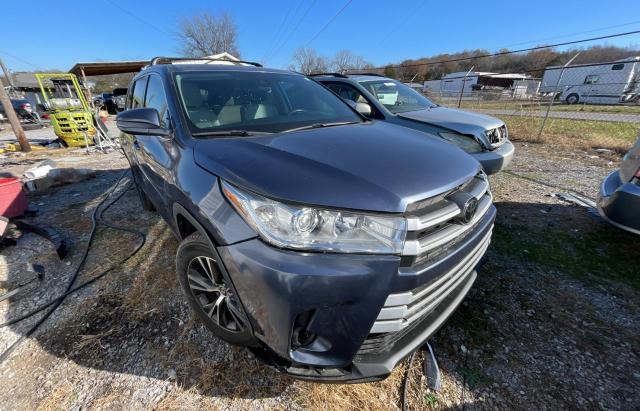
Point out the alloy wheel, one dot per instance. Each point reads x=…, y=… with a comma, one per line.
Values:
x=212, y=294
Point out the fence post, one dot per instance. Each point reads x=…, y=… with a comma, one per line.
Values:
x=464, y=81
x=553, y=97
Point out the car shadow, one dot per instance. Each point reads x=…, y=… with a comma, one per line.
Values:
x=135, y=319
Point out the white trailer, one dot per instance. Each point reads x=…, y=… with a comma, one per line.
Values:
x=606, y=83
x=513, y=84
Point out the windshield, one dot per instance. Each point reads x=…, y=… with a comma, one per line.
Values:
x=397, y=97
x=218, y=101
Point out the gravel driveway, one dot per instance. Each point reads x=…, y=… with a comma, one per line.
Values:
x=552, y=322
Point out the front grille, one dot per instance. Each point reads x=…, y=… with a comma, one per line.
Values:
x=436, y=229
x=497, y=136
x=439, y=224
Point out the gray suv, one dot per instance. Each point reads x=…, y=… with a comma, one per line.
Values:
x=329, y=244
x=385, y=99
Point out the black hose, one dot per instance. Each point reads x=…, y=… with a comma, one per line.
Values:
x=405, y=384
x=96, y=217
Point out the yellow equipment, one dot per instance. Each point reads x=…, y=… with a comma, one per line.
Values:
x=70, y=114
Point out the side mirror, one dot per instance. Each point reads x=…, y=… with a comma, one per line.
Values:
x=141, y=121
x=364, y=109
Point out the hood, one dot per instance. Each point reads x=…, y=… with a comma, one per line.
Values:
x=464, y=122
x=369, y=166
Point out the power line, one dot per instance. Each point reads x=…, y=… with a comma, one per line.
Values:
x=19, y=59
x=573, y=34
x=279, y=31
x=328, y=23
x=313, y=2
x=503, y=53
x=403, y=22
x=130, y=14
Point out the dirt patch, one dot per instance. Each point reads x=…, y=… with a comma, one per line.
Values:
x=550, y=323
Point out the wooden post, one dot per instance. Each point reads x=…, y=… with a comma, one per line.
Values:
x=86, y=87
x=7, y=74
x=13, y=119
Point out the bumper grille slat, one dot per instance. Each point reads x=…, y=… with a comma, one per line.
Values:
x=418, y=303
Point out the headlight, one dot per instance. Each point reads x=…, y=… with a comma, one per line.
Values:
x=310, y=228
x=467, y=143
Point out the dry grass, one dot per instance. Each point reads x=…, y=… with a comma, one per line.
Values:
x=542, y=106
x=573, y=133
x=91, y=342
x=382, y=395
x=60, y=398
x=155, y=274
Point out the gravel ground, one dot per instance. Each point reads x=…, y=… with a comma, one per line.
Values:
x=536, y=331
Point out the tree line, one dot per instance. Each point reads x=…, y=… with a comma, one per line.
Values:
x=532, y=62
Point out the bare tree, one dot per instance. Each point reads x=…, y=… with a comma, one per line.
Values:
x=345, y=60
x=206, y=34
x=306, y=60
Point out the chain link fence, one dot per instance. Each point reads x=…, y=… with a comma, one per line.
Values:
x=588, y=105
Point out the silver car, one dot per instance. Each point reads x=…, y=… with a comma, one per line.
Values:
x=382, y=98
x=619, y=200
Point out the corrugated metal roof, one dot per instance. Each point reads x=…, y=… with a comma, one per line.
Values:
x=99, y=68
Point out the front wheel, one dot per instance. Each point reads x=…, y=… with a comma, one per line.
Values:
x=572, y=98
x=208, y=293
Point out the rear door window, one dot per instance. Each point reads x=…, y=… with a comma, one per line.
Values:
x=155, y=98
x=137, y=97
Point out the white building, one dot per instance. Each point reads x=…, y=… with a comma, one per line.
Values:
x=518, y=85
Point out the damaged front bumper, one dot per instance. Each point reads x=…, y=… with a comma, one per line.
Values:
x=496, y=160
x=314, y=313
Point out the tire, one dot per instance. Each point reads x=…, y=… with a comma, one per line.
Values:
x=207, y=292
x=572, y=98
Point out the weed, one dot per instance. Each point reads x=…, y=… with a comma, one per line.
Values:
x=431, y=400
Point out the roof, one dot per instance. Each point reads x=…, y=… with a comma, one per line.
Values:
x=182, y=67
x=468, y=74
x=634, y=59
x=461, y=74
x=105, y=67
x=99, y=68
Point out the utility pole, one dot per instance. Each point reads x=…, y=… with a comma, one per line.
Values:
x=13, y=119
x=555, y=92
x=7, y=74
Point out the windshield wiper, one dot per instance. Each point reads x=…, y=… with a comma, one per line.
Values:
x=321, y=125
x=233, y=133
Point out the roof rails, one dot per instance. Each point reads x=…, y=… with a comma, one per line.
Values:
x=328, y=74
x=368, y=74
x=168, y=60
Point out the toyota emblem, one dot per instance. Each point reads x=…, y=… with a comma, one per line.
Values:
x=469, y=210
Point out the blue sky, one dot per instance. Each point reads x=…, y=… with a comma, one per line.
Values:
x=382, y=32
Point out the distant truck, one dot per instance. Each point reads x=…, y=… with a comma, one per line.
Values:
x=607, y=83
